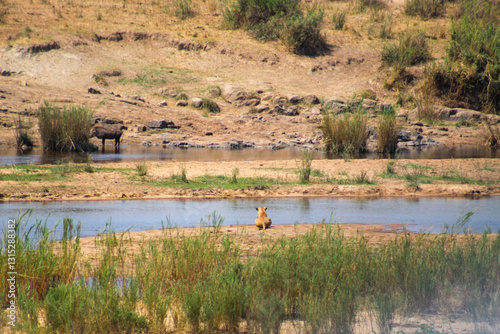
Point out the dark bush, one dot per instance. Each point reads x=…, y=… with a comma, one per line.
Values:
x=279, y=20
x=302, y=34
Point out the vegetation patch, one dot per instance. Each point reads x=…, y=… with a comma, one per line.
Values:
x=66, y=129
x=322, y=279
x=217, y=181
x=345, y=133
x=279, y=20
x=469, y=77
x=411, y=50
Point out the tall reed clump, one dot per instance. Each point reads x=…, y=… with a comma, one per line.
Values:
x=23, y=137
x=66, y=129
x=388, y=132
x=305, y=167
x=469, y=77
x=279, y=20
x=345, y=133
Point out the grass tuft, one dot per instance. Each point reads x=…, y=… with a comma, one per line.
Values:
x=411, y=50
x=65, y=130
x=345, y=133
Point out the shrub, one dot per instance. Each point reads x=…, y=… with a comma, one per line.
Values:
x=183, y=9
x=23, y=137
x=280, y=19
x=411, y=50
x=142, y=169
x=65, y=130
x=305, y=167
x=210, y=106
x=338, y=20
x=469, y=78
x=388, y=132
x=247, y=13
x=345, y=133
x=426, y=9
x=234, y=175
x=302, y=34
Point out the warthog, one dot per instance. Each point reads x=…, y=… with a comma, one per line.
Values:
x=104, y=133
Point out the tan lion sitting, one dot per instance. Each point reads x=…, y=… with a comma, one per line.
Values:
x=262, y=221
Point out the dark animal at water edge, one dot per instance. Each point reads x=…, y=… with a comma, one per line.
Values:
x=104, y=133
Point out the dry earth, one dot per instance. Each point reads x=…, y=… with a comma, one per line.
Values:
x=157, y=51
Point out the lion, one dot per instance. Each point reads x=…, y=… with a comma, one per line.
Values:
x=262, y=221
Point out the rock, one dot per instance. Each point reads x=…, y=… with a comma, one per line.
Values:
x=168, y=92
x=334, y=105
x=115, y=37
x=267, y=97
x=146, y=143
x=312, y=99
x=209, y=133
x=111, y=121
x=455, y=114
x=162, y=124
x=291, y=111
x=294, y=99
x=196, y=102
x=181, y=103
x=260, y=109
x=369, y=103
x=214, y=93
x=141, y=128
x=234, y=93
x=162, y=103
x=248, y=103
x=93, y=91
x=280, y=100
x=405, y=136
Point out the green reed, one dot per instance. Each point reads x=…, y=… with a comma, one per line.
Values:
x=322, y=281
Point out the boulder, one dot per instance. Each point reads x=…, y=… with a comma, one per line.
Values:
x=93, y=91
x=312, y=99
x=162, y=124
x=234, y=93
x=168, y=92
x=181, y=103
x=162, y=103
x=142, y=128
x=294, y=99
x=111, y=121
x=280, y=100
x=214, y=93
x=196, y=102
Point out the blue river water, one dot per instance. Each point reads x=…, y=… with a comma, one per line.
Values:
x=419, y=215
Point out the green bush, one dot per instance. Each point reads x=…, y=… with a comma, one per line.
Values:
x=411, y=50
x=426, y=9
x=247, y=13
x=302, y=34
x=345, y=133
x=338, y=20
x=469, y=78
x=388, y=133
x=23, y=137
x=279, y=20
x=65, y=130
x=210, y=106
